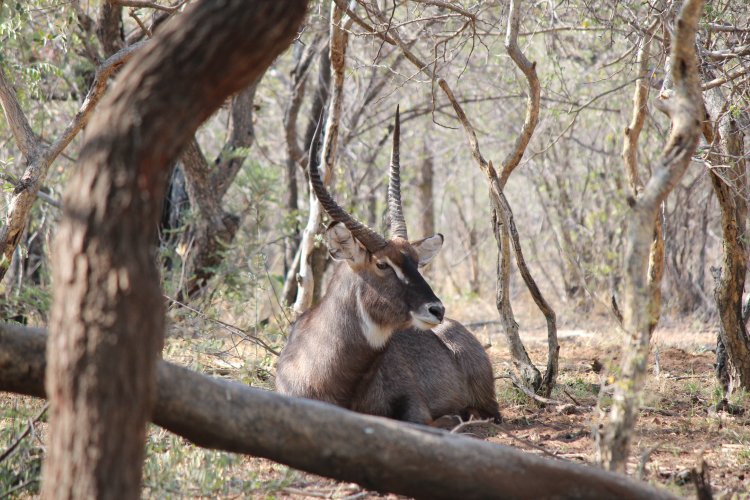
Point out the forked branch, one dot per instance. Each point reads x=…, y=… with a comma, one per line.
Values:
x=504, y=226
x=528, y=68
x=37, y=157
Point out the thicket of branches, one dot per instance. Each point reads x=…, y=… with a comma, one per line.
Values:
x=599, y=110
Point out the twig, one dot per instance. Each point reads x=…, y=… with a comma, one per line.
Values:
x=137, y=19
x=8, y=452
x=480, y=324
x=531, y=393
x=143, y=4
x=645, y=456
x=463, y=424
x=226, y=326
x=19, y=487
x=565, y=391
x=526, y=442
x=40, y=194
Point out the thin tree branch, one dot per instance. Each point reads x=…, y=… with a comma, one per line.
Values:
x=26, y=140
x=9, y=451
x=144, y=4
x=724, y=79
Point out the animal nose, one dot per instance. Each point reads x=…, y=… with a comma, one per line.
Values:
x=437, y=310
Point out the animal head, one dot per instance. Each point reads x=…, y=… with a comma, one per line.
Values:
x=398, y=295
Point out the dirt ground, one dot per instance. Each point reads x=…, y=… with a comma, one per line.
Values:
x=677, y=427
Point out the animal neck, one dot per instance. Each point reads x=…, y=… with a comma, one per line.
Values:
x=346, y=296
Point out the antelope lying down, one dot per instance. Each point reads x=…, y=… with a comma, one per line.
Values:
x=378, y=342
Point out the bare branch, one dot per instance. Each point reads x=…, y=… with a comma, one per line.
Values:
x=144, y=4
x=390, y=36
x=10, y=449
x=471, y=136
x=448, y=6
x=25, y=138
x=99, y=85
x=724, y=79
x=513, y=158
x=640, y=96
x=338, y=45
x=726, y=28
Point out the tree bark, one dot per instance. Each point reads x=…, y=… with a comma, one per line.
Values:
x=107, y=316
x=728, y=173
x=630, y=157
x=109, y=28
x=685, y=109
x=426, y=201
x=378, y=453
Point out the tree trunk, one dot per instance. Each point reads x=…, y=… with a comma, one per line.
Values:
x=728, y=177
x=109, y=28
x=426, y=201
x=530, y=375
x=107, y=317
x=502, y=217
x=38, y=157
x=207, y=184
x=176, y=205
x=378, y=453
x=630, y=157
x=425, y=188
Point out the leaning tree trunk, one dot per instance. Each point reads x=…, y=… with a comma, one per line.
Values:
x=107, y=315
x=686, y=111
x=728, y=172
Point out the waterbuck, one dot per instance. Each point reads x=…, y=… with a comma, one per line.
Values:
x=378, y=342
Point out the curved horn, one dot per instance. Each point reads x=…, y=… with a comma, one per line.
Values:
x=398, y=224
x=369, y=238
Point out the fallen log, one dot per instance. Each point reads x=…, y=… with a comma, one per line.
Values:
x=377, y=453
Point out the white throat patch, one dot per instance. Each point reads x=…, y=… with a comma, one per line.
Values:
x=375, y=335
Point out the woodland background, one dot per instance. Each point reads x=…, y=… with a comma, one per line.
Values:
x=237, y=204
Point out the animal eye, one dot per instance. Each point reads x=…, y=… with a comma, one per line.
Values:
x=382, y=265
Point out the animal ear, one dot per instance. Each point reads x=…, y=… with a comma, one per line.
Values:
x=343, y=246
x=428, y=248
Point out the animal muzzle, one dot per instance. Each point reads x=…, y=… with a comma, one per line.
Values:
x=428, y=316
